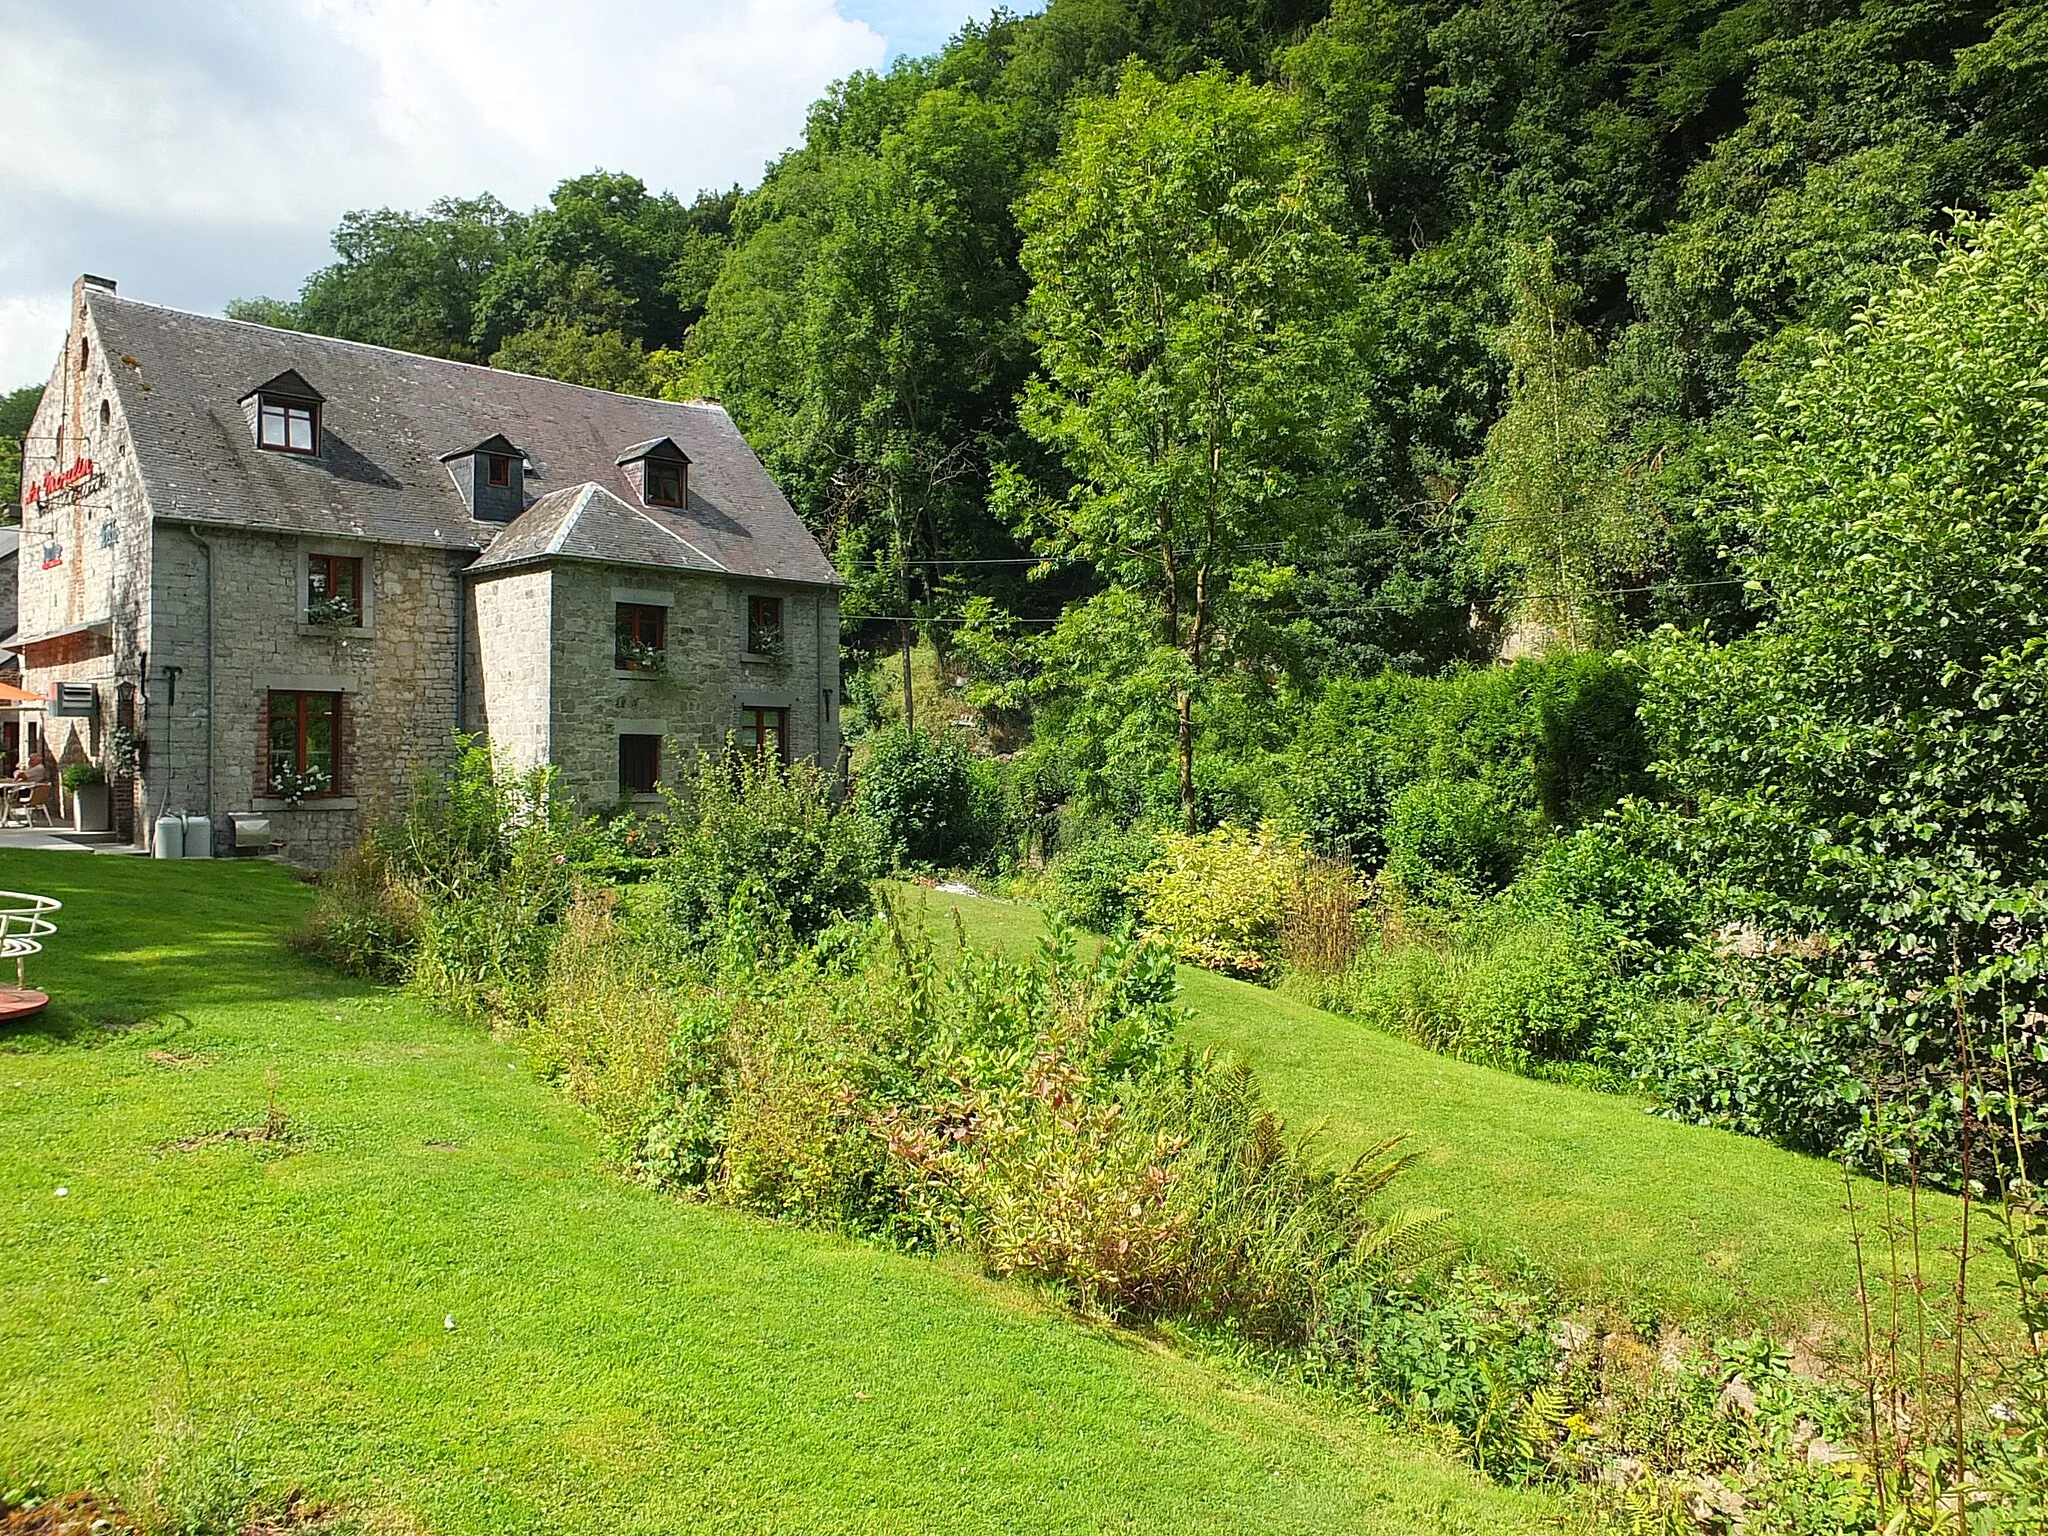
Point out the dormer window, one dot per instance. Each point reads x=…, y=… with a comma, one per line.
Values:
x=285, y=413
x=659, y=471
x=665, y=485
x=491, y=477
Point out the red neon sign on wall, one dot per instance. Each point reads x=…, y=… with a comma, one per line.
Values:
x=54, y=481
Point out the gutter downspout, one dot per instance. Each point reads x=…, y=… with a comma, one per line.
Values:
x=192, y=529
x=461, y=642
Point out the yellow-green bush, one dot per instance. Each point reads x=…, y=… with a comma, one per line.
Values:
x=1219, y=898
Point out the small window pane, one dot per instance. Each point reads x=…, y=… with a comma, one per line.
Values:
x=765, y=731
x=500, y=469
x=639, y=764
x=304, y=735
x=301, y=424
x=273, y=433
x=320, y=733
x=641, y=637
x=284, y=734
x=665, y=484
x=764, y=625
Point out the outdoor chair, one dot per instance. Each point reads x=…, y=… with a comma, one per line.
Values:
x=40, y=798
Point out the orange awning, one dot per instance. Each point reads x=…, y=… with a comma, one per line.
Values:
x=9, y=694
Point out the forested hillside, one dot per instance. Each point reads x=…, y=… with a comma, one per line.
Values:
x=1557, y=233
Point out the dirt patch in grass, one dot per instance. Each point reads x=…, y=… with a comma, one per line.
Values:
x=125, y=1023
x=85, y=1514
x=270, y=1133
x=72, y=1514
x=177, y=1060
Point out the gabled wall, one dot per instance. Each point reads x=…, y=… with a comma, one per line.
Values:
x=85, y=556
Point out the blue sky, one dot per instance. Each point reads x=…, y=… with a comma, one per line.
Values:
x=915, y=26
x=202, y=150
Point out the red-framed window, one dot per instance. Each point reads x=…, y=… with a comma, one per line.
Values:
x=764, y=626
x=668, y=485
x=287, y=426
x=304, y=737
x=334, y=588
x=639, y=764
x=765, y=730
x=498, y=468
x=640, y=638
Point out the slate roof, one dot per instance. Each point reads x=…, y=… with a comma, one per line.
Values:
x=587, y=522
x=389, y=417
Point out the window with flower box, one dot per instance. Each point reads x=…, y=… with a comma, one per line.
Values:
x=304, y=744
x=640, y=638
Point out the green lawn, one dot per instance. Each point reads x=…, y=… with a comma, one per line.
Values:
x=1703, y=1225
x=261, y=1316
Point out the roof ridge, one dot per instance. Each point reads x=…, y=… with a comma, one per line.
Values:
x=572, y=517
x=101, y=295
x=664, y=527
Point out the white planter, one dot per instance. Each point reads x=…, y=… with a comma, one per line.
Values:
x=92, y=808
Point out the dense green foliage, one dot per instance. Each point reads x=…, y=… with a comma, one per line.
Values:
x=1861, y=780
x=760, y=854
x=17, y=410
x=1555, y=742
x=584, y=289
x=931, y=802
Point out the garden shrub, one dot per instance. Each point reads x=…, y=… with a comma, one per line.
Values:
x=1219, y=898
x=1541, y=986
x=1061, y=1186
x=1799, y=1076
x=933, y=803
x=761, y=854
x=802, y=1142
x=1596, y=869
x=1528, y=987
x=637, y=1040
x=620, y=849
x=463, y=892
x=1451, y=841
x=1089, y=883
x=363, y=919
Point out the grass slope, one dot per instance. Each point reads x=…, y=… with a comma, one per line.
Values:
x=1702, y=1224
x=259, y=1317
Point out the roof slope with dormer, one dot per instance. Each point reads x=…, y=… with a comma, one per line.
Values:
x=388, y=418
x=587, y=522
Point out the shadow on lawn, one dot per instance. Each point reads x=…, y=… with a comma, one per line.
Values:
x=140, y=941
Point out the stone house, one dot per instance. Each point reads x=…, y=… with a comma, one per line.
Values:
x=270, y=575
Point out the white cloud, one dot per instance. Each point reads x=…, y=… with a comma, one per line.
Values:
x=30, y=328
x=197, y=150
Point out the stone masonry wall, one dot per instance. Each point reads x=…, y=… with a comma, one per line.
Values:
x=395, y=673
x=508, y=684
x=696, y=700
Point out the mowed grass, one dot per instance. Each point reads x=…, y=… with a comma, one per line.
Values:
x=270, y=1316
x=1703, y=1226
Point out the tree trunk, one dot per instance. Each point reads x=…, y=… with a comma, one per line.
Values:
x=909, y=702
x=1187, y=761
